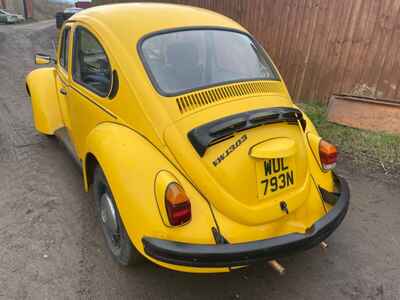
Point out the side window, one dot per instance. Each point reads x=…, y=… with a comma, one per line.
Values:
x=64, y=48
x=91, y=67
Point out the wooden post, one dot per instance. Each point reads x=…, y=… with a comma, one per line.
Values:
x=28, y=9
x=324, y=245
x=277, y=267
x=25, y=12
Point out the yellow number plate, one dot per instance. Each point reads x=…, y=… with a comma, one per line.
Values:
x=274, y=176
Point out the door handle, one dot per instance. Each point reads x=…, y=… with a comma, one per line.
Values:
x=63, y=91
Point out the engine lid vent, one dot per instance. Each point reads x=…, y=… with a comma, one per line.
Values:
x=193, y=101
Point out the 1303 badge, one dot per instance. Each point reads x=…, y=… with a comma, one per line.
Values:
x=228, y=151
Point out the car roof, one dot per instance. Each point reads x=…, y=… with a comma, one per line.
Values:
x=130, y=21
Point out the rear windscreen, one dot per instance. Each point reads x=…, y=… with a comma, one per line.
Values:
x=193, y=59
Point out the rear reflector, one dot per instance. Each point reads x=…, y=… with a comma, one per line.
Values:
x=327, y=154
x=177, y=205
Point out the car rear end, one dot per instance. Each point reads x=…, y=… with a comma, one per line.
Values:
x=267, y=178
x=245, y=146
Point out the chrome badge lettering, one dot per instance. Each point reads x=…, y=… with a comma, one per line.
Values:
x=228, y=151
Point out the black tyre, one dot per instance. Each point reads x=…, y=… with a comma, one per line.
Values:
x=115, y=235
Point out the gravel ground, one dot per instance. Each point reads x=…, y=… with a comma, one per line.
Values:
x=51, y=247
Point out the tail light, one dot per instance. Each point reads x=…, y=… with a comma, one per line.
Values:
x=327, y=154
x=177, y=205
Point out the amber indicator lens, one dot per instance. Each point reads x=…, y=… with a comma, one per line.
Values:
x=327, y=154
x=177, y=205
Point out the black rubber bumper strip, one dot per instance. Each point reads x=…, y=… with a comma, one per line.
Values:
x=241, y=254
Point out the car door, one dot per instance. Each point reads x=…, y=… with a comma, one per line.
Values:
x=89, y=99
x=62, y=75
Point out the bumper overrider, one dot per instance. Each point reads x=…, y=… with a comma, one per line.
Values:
x=241, y=254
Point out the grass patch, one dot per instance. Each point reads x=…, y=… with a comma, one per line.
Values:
x=366, y=148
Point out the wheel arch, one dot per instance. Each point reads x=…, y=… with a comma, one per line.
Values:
x=89, y=165
x=130, y=164
x=321, y=177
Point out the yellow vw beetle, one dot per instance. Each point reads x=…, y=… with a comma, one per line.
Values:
x=187, y=137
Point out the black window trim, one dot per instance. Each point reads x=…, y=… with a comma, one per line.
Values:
x=81, y=83
x=190, y=28
x=65, y=68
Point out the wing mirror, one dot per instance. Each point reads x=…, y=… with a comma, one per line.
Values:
x=43, y=59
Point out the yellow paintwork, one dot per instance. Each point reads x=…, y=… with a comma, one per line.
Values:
x=46, y=112
x=139, y=139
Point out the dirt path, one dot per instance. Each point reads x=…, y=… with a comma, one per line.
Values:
x=51, y=247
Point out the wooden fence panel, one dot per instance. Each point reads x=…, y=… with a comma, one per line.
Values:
x=323, y=47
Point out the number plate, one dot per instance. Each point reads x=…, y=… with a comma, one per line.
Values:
x=274, y=176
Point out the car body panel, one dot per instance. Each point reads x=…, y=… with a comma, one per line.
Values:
x=42, y=89
x=63, y=85
x=298, y=220
x=137, y=164
x=138, y=136
x=123, y=110
x=3, y=18
x=236, y=195
x=238, y=254
x=10, y=18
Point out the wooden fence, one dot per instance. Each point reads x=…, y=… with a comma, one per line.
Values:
x=323, y=47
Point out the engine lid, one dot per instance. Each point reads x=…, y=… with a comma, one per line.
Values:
x=245, y=164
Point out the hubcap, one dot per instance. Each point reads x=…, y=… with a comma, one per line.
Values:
x=109, y=218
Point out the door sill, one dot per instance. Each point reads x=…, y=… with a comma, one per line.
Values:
x=63, y=135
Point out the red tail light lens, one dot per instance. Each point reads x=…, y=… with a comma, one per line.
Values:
x=177, y=205
x=328, y=155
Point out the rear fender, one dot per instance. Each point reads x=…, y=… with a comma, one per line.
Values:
x=42, y=88
x=131, y=163
x=321, y=177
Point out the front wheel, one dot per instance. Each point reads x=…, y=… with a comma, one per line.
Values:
x=114, y=232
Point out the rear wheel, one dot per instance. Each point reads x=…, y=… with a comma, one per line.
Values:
x=115, y=235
